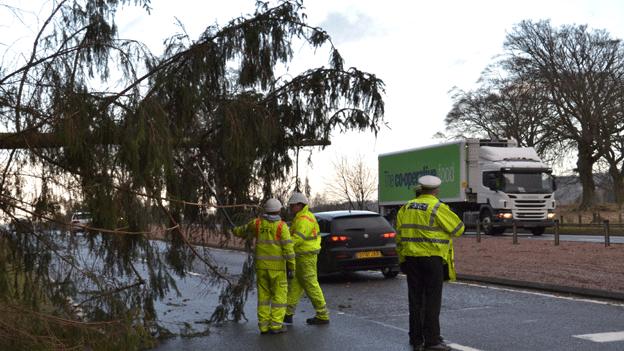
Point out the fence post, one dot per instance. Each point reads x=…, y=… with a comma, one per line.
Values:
x=579, y=218
x=561, y=220
x=556, y=232
x=606, y=233
x=515, y=233
x=478, y=231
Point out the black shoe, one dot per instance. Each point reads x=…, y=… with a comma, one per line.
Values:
x=288, y=319
x=281, y=330
x=438, y=347
x=316, y=321
x=264, y=332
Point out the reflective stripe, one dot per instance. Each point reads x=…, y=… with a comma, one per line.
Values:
x=279, y=305
x=434, y=212
x=276, y=324
x=288, y=257
x=270, y=258
x=302, y=236
x=258, y=221
x=425, y=240
x=274, y=242
x=308, y=252
x=264, y=303
x=458, y=228
x=278, y=235
x=423, y=227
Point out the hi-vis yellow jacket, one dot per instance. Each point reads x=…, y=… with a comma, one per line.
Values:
x=305, y=233
x=426, y=227
x=274, y=246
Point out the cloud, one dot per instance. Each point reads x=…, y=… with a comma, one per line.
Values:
x=348, y=28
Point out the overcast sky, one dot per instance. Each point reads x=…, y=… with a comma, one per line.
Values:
x=421, y=49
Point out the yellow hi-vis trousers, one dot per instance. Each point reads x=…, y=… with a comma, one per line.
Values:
x=306, y=280
x=272, y=296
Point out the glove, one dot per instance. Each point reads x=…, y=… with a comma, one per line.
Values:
x=290, y=274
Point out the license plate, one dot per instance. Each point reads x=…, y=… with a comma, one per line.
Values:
x=368, y=254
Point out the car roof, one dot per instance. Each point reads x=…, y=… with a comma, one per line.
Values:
x=338, y=214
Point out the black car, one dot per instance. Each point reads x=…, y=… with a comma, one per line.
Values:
x=355, y=241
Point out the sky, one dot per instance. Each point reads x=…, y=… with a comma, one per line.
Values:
x=420, y=49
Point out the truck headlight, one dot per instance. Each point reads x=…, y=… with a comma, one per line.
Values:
x=551, y=215
x=505, y=215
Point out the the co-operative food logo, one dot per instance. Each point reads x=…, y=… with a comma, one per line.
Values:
x=410, y=178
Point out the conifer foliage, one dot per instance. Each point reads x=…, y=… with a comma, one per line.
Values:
x=144, y=141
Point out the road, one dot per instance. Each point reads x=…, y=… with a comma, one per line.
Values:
x=370, y=313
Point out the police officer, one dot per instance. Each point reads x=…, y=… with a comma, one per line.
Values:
x=426, y=227
x=307, y=241
x=275, y=262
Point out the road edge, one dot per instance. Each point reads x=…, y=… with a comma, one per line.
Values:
x=560, y=289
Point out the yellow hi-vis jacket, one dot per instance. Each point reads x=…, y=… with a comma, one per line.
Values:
x=274, y=246
x=305, y=233
x=426, y=227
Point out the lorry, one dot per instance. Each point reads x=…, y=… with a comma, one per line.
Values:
x=490, y=182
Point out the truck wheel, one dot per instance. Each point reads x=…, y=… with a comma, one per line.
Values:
x=537, y=231
x=487, y=223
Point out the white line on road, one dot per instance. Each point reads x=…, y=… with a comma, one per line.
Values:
x=462, y=348
x=603, y=337
x=483, y=286
x=453, y=345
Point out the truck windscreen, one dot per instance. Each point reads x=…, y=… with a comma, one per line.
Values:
x=527, y=182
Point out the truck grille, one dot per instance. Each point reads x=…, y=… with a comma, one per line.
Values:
x=530, y=209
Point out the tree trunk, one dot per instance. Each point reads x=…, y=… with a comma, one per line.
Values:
x=585, y=165
x=618, y=184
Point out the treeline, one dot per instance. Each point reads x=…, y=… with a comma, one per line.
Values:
x=558, y=89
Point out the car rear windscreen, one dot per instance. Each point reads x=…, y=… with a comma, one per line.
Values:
x=370, y=224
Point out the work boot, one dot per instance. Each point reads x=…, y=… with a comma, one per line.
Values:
x=316, y=321
x=281, y=330
x=438, y=347
x=288, y=319
x=264, y=332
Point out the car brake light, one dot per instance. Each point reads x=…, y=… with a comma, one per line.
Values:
x=338, y=238
x=388, y=235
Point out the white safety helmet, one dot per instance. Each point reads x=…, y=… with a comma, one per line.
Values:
x=272, y=205
x=298, y=198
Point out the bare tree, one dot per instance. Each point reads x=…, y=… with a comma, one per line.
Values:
x=554, y=88
x=353, y=182
x=581, y=71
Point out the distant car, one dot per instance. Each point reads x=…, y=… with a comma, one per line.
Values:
x=79, y=220
x=355, y=241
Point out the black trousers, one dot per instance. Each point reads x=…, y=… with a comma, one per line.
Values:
x=425, y=278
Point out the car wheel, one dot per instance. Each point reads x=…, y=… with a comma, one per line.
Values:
x=389, y=272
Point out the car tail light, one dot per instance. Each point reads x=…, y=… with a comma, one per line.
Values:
x=338, y=238
x=388, y=235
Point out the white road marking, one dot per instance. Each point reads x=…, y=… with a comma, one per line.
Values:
x=599, y=302
x=454, y=346
x=462, y=348
x=193, y=273
x=603, y=337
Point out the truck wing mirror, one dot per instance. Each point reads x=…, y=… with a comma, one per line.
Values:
x=554, y=183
